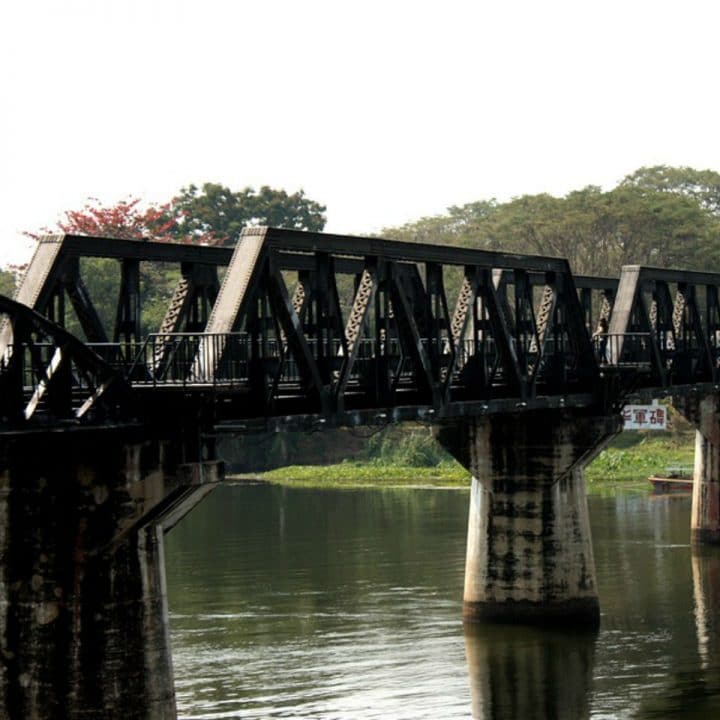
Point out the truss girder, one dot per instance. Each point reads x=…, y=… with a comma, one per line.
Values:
x=513, y=332
x=188, y=311
x=659, y=321
x=326, y=323
x=54, y=275
x=127, y=317
x=49, y=378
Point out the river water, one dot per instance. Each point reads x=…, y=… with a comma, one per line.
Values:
x=346, y=604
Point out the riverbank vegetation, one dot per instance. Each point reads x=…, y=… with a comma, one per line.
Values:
x=412, y=458
x=629, y=458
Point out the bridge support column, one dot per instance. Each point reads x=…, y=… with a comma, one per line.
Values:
x=83, y=610
x=529, y=550
x=705, y=516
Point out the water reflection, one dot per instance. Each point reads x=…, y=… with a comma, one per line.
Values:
x=521, y=672
x=341, y=605
x=706, y=593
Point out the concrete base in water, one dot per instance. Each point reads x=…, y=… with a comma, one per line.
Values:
x=529, y=551
x=83, y=609
x=705, y=515
x=529, y=555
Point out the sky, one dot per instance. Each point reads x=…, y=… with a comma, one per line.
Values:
x=385, y=111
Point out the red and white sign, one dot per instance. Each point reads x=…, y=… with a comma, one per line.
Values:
x=645, y=417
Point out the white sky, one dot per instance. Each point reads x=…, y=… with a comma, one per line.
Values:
x=384, y=110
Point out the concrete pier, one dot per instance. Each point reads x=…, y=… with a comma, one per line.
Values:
x=705, y=517
x=83, y=609
x=529, y=550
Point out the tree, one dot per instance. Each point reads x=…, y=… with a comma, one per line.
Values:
x=127, y=220
x=596, y=231
x=7, y=282
x=212, y=216
x=703, y=186
x=219, y=211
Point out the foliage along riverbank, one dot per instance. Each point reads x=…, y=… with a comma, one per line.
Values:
x=631, y=458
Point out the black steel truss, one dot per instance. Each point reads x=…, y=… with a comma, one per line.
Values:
x=666, y=324
x=328, y=324
x=49, y=378
x=516, y=329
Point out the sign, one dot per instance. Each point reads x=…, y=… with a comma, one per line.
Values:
x=645, y=417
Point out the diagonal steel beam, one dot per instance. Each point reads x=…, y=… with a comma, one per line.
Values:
x=291, y=326
x=363, y=301
x=411, y=338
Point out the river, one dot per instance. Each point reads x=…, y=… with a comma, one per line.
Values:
x=346, y=604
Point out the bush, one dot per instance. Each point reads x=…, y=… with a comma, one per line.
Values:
x=411, y=447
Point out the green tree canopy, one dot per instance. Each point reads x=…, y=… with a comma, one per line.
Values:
x=7, y=282
x=703, y=186
x=640, y=221
x=213, y=215
x=218, y=210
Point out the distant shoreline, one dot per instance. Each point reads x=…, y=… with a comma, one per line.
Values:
x=625, y=464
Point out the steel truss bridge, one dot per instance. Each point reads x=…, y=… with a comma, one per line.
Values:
x=308, y=329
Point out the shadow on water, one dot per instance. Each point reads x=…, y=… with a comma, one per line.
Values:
x=529, y=673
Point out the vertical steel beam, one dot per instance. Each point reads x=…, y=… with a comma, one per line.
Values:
x=127, y=323
x=412, y=342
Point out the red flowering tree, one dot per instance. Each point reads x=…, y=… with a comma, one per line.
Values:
x=128, y=220
x=213, y=215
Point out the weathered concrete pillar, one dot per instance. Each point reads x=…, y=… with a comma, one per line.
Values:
x=529, y=550
x=521, y=672
x=705, y=516
x=83, y=610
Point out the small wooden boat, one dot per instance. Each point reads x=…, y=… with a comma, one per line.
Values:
x=675, y=480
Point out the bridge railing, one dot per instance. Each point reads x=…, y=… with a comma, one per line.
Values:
x=231, y=359
x=234, y=360
x=190, y=359
x=631, y=350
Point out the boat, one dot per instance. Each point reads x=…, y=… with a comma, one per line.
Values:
x=675, y=480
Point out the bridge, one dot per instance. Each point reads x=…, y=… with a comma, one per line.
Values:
x=108, y=432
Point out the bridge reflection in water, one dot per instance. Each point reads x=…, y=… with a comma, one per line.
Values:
x=706, y=593
x=519, y=672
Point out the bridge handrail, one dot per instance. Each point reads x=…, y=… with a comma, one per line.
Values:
x=624, y=349
x=230, y=359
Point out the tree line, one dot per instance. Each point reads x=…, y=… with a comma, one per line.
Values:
x=659, y=216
